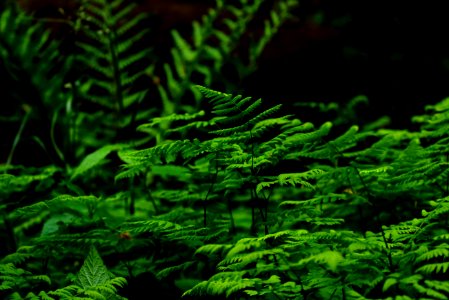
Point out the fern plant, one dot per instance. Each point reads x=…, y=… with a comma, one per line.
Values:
x=93, y=281
x=220, y=195
x=34, y=62
x=111, y=32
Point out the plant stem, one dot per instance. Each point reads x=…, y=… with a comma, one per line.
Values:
x=231, y=217
x=214, y=179
x=18, y=135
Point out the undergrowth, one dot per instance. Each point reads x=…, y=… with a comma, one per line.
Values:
x=125, y=175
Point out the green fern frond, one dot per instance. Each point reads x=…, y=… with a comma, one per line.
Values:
x=204, y=56
x=155, y=155
x=278, y=16
x=434, y=268
x=93, y=272
x=330, y=258
x=26, y=47
x=93, y=159
x=93, y=282
x=150, y=226
x=305, y=138
x=224, y=104
x=239, y=261
x=329, y=198
x=22, y=254
x=61, y=202
x=164, y=273
x=224, y=283
x=441, y=251
x=111, y=30
x=293, y=179
x=210, y=249
x=171, y=118
x=180, y=196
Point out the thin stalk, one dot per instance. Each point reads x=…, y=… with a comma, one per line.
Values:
x=231, y=217
x=18, y=135
x=261, y=210
x=343, y=292
x=52, y=137
x=254, y=196
x=214, y=179
x=253, y=213
x=156, y=209
x=71, y=128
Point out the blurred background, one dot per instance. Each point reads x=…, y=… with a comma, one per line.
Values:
x=394, y=52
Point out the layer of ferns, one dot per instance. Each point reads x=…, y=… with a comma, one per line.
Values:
x=221, y=196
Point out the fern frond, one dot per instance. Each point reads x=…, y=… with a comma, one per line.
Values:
x=26, y=48
x=108, y=27
x=329, y=198
x=93, y=272
x=61, y=202
x=150, y=226
x=305, y=138
x=224, y=283
x=94, y=159
x=330, y=258
x=441, y=251
x=170, y=270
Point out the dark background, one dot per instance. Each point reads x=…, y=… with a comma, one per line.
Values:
x=394, y=52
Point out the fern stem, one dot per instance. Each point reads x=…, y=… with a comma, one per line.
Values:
x=253, y=212
x=53, y=139
x=156, y=209
x=261, y=210
x=214, y=180
x=343, y=293
x=254, y=196
x=71, y=130
x=231, y=217
x=18, y=135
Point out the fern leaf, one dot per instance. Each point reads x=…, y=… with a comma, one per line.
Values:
x=212, y=249
x=93, y=273
x=94, y=159
x=331, y=258
x=441, y=251
x=434, y=268
x=168, y=271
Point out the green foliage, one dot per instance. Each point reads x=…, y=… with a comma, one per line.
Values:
x=112, y=30
x=219, y=195
x=21, y=43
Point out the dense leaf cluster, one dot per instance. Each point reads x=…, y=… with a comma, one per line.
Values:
x=220, y=197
